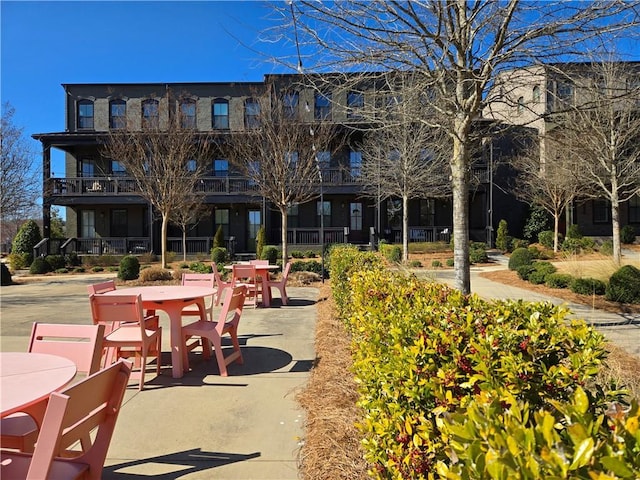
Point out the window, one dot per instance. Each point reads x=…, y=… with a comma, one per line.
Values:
x=324, y=207
x=251, y=113
x=290, y=104
x=150, y=114
x=118, y=227
x=88, y=223
x=355, y=163
x=427, y=213
x=355, y=216
x=117, y=114
x=188, y=113
x=520, y=105
x=536, y=94
x=117, y=168
x=220, y=168
x=322, y=109
x=633, y=89
x=564, y=94
x=220, y=114
x=601, y=211
x=355, y=104
x=292, y=216
x=324, y=159
x=192, y=165
x=222, y=220
x=87, y=167
x=634, y=209
x=291, y=160
x=85, y=114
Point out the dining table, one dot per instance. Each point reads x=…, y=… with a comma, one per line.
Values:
x=171, y=299
x=262, y=271
x=26, y=379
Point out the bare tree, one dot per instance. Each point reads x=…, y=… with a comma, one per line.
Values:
x=601, y=131
x=549, y=182
x=166, y=159
x=282, y=156
x=405, y=159
x=20, y=185
x=459, y=48
x=186, y=215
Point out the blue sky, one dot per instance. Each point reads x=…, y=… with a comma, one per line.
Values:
x=47, y=43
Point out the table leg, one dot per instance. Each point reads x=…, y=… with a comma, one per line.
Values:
x=174, y=311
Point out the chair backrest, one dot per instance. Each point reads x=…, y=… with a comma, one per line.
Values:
x=199, y=279
x=82, y=344
x=232, y=307
x=91, y=404
x=259, y=262
x=287, y=269
x=244, y=273
x=112, y=310
x=101, y=287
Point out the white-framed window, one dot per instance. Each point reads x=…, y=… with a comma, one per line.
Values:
x=220, y=114
x=85, y=114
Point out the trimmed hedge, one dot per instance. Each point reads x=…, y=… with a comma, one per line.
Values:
x=451, y=384
x=588, y=286
x=520, y=257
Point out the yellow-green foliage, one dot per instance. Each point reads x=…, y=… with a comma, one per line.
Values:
x=424, y=353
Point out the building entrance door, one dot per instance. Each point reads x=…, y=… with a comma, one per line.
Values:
x=254, y=222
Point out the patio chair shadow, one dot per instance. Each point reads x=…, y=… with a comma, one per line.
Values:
x=173, y=466
x=276, y=302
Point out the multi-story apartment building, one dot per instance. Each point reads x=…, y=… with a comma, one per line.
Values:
x=543, y=97
x=104, y=213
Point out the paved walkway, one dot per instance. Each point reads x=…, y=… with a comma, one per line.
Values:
x=245, y=426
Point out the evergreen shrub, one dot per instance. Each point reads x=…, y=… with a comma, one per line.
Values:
x=129, y=268
x=154, y=274
x=520, y=257
x=628, y=234
x=503, y=240
x=219, y=255
x=558, y=280
x=541, y=270
x=545, y=238
x=588, y=286
x=270, y=253
x=624, y=285
x=39, y=266
x=26, y=239
x=56, y=262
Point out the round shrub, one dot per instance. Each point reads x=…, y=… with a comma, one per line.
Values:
x=219, y=255
x=129, y=268
x=627, y=234
x=478, y=253
x=624, y=285
x=27, y=237
x=62, y=270
x=540, y=272
x=270, y=253
x=574, y=231
x=518, y=243
x=199, y=267
x=519, y=258
x=558, y=280
x=297, y=254
x=606, y=248
x=449, y=262
x=393, y=253
x=524, y=271
x=5, y=278
x=587, y=286
x=155, y=274
x=55, y=261
x=72, y=259
x=39, y=266
x=418, y=263
x=545, y=238
x=310, y=254
x=307, y=266
x=97, y=269
x=19, y=261
x=434, y=263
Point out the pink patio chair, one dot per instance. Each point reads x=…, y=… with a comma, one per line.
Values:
x=82, y=344
x=124, y=313
x=281, y=285
x=220, y=283
x=88, y=409
x=200, y=280
x=151, y=319
x=227, y=323
x=245, y=274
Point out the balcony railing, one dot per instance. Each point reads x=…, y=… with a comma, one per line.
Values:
x=120, y=185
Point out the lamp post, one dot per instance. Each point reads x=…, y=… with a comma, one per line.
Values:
x=313, y=147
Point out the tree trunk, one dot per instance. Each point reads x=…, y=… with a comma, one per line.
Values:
x=615, y=225
x=556, y=232
x=405, y=229
x=285, y=256
x=184, y=245
x=460, y=187
x=163, y=239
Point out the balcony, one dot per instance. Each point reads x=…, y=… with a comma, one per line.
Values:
x=121, y=185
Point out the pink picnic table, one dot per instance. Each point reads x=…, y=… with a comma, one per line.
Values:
x=263, y=272
x=26, y=379
x=171, y=299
